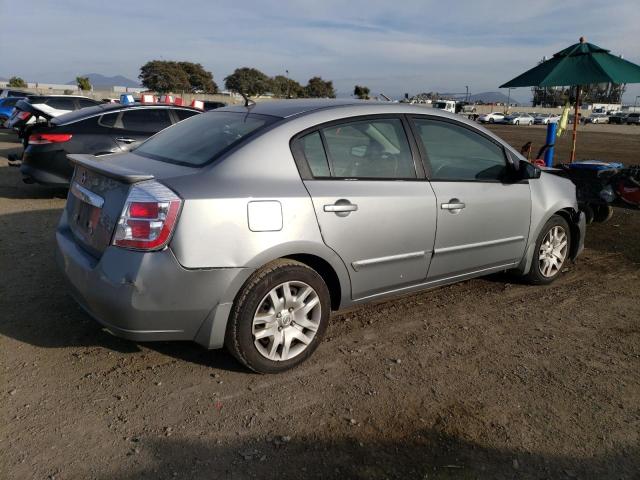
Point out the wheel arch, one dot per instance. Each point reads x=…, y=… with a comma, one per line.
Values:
x=571, y=216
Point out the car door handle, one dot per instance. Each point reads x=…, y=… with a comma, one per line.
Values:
x=454, y=204
x=126, y=140
x=342, y=207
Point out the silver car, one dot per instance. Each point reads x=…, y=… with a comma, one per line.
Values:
x=246, y=226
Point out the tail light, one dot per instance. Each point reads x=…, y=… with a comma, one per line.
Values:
x=45, y=138
x=148, y=218
x=24, y=115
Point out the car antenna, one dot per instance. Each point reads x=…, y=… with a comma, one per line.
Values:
x=385, y=97
x=247, y=101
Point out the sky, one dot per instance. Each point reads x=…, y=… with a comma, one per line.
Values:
x=391, y=46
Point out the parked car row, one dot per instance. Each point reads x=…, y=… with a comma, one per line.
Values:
x=53, y=126
x=518, y=118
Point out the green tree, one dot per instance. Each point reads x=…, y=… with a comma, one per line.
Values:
x=83, y=83
x=284, y=87
x=319, y=88
x=17, y=82
x=164, y=76
x=361, y=92
x=199, y=78
x=249, y=81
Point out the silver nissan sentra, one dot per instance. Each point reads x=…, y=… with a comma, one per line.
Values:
x=246, y=226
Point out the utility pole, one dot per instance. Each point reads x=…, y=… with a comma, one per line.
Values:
x=466, y=98
x=288, y=84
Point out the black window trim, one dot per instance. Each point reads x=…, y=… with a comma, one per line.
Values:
x=425, y=156
x=303, y=165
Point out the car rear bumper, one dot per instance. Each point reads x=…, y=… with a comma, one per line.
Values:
x=149, y=296
x=48, y=168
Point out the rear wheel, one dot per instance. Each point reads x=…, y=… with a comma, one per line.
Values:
x=551, y=251
x=279, y=317
x=517, y=122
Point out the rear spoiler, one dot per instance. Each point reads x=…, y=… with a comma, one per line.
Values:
x=108, y=169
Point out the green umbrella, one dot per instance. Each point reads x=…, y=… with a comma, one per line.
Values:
x=580, y=64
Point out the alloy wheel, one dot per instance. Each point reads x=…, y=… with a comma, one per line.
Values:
x=553, y=251
x=286, y=321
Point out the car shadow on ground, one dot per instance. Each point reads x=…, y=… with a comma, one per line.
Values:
x=426, y=453
x=12, y=187
x=36, y=305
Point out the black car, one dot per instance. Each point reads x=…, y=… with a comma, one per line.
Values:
x=100, y=130
x=40, y=108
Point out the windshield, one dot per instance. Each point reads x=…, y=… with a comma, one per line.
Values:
x=201, y=138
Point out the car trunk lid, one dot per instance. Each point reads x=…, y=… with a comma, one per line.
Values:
x=98, y=192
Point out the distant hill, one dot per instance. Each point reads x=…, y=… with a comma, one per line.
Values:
x=98, y=80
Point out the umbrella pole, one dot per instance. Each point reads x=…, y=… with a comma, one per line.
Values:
x=576, y=120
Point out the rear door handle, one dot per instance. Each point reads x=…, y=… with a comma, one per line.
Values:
x=126, y=140
x=454, y=205
x=341, y=208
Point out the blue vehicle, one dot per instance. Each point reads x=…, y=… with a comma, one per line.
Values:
x=6, y=108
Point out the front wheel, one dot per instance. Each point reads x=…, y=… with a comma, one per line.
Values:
x=551, y=251
x=279, y=317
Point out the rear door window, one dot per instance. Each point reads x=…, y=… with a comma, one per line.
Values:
x=109, y=119
x=315, y=155
x=376, y=148
x=150, y=120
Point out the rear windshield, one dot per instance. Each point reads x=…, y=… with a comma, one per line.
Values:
x=199, y=139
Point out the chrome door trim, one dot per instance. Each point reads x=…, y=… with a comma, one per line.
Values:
x=437, y=282
x=86, y=196
x=391, y=258
x=489, y=243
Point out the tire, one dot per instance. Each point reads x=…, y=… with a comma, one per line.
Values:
x=261, y=306
x=517, y=122
x=491, y=120
x=539, y=275
x=602, y=213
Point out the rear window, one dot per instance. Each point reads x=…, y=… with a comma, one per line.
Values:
x=199, y=139
x=9, y=102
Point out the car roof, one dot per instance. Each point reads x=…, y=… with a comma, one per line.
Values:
x=289, y=108
x=110, y=107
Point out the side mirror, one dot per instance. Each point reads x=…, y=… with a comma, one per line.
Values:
x=529, y=171
x=523, y=170
x=359, y=151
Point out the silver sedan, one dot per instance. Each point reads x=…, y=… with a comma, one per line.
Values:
x=246, y=226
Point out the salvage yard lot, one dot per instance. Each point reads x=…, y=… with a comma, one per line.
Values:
x=484, y=379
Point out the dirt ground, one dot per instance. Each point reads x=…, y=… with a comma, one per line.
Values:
x=487, y=379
